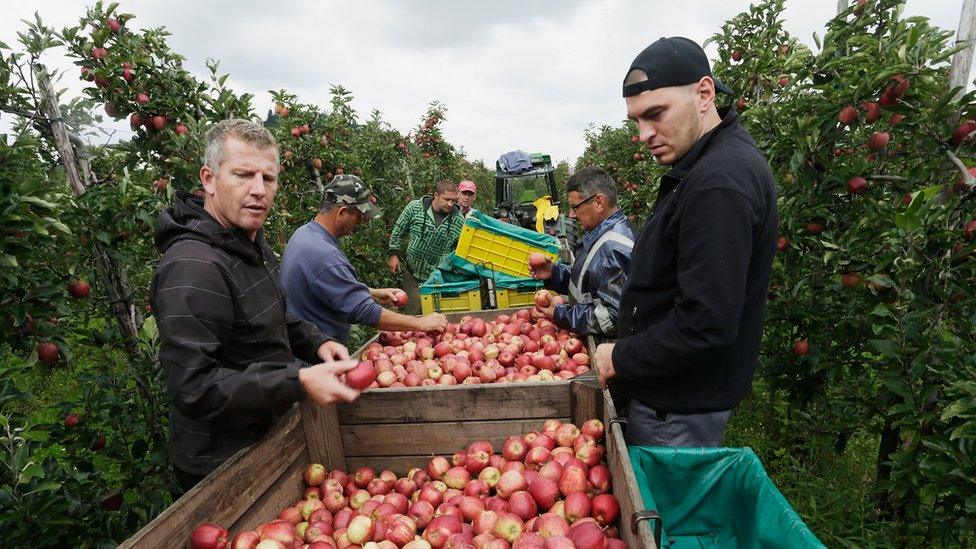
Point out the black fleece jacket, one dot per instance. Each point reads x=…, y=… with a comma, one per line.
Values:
x=228, y=347
x=692, y=312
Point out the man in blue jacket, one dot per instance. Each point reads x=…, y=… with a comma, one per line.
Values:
x=692, y=312
x=321, y=282
x=596, y=280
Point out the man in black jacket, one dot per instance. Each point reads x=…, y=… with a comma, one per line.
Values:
x=691, y=314
x=233, y=358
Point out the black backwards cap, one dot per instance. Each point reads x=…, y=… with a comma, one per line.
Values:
x=674, y=61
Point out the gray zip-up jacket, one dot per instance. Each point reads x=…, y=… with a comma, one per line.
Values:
x=228, y=347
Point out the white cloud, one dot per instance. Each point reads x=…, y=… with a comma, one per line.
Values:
x=527, y=75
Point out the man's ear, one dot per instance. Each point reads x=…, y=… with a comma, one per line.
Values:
x=207, y=177
x=705, y=91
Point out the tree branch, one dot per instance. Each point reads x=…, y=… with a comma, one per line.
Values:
x=968, y=178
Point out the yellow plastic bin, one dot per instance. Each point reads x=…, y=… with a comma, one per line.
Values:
x=501, y=246
x=514, y=293
x=445, y=292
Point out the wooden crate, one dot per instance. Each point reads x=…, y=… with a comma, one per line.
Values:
x=390, y=429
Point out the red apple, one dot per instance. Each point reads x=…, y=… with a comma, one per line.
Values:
x=847, y=115
x=142, y=98
x=509, y=483
x=514, y=448
x=543, y=298
x=47, y=352
x=963, y=132
x=400, y=298
x=208, y=536
x=587, y=535
x=605, y=509
x=441, y=529
x=551, y=524
x=361, y=529
x=576, y=506
x=801, y=347
x=523, y=505
x=878, y=141
x=422, y=512
x=566, y=434
x=572, y=480
x=248, y=539
x=361, y=376
x=437, y=467
x=857, y=185
x=872, y=110
x=363, y=476
x=599, y=477
x=594, y=428
x=508, y=527
x=314, y=474
x=279, y=530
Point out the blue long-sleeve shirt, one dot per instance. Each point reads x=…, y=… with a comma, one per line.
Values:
x=596, y=280
x=321, y=284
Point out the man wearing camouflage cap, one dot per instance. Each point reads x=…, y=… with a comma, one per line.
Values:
x=320, y=281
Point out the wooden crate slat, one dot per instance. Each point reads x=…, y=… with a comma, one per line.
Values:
x=224, y=495
x=285, y=491
x=393, y=439
x=586, y=399
x=448, y=403
x=321, y=429
x=625, y=487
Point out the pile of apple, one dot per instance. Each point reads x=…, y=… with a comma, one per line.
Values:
x=509, y=349
x=547, y=489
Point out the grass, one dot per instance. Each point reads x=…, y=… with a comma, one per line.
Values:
x=831, y=492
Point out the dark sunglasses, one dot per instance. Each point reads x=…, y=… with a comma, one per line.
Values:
x=584, y=201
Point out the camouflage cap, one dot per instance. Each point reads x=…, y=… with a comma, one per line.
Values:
x=351, y=191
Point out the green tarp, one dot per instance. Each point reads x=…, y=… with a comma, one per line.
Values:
x=443, y=281
x=716, y=497
x=479, y=220
x=456, y=264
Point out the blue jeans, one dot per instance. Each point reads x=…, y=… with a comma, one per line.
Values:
x=645, y=427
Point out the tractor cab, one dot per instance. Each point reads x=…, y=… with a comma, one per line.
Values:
x=529, y=198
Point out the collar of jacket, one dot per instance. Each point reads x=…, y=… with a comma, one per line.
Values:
x=187, y=219
x=681, y=169
x=604, y=226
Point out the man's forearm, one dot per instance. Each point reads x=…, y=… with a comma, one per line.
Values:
x=393, y=321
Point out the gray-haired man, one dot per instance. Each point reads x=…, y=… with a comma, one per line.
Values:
x=233, y=359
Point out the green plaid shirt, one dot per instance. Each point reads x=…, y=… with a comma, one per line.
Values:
x=428, y=241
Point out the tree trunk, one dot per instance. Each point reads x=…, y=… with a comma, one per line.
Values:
x=889, y=445
x=112, y=274
x=962, y=61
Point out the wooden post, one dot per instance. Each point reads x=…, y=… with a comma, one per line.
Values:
x=113, y=276
x=962, y=61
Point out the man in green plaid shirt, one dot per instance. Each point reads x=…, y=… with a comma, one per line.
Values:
x=432, y=225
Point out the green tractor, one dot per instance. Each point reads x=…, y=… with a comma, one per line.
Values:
x=530, y=200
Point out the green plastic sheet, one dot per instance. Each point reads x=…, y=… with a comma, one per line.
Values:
x=716, y=497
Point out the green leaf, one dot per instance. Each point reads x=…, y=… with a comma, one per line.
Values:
x=38, y=202
x=46, y=486
x=7, y=260
x=58, y=225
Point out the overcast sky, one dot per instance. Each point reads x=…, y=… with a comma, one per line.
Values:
x=524, y=74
